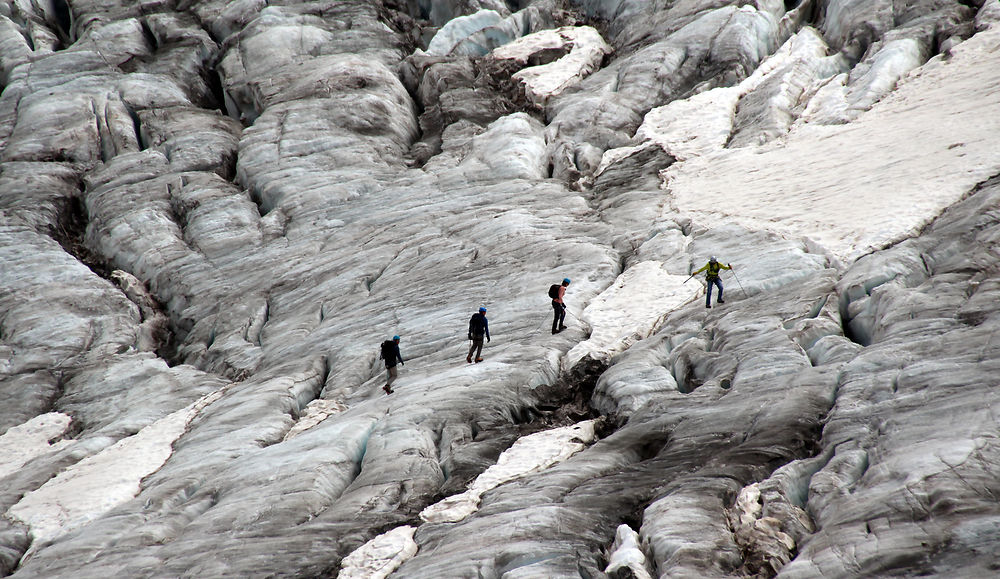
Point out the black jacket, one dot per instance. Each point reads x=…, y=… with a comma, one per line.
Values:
x=479, y=326
x=390, y=353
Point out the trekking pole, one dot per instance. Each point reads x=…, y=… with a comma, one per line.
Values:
x=738, y=281
x=688, y=279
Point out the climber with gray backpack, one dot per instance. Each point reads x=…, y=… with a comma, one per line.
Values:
x=556, y=292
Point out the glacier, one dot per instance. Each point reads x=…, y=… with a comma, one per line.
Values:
x=212, y=212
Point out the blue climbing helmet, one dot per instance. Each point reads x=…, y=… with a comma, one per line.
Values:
x=395, y=338
x=482, y=310
x=566, y=280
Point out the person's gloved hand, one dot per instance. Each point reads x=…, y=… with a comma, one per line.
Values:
x=487, y=338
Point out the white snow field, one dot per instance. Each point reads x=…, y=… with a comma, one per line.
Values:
x=858, y=187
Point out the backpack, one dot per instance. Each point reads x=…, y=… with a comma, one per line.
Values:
x=554, y=291
x=387, y=352
x=477, y=324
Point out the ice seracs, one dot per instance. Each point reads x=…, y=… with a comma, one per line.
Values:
x=584, y=50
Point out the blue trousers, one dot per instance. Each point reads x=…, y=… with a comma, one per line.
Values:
x=708, y=295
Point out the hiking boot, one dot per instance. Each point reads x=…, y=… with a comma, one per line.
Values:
x=707, y=306
x=387, y=389
x=561, y=328
x=478, y=360
x=721, y=301
x=468, y=358
x=556, y=331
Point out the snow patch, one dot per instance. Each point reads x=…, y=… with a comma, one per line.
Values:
x=379, y=557
x=316, y=411
x=529, y=454
x=862, y=190
x=703, y=123
x=630, y=310
x=26, y=441
x=98, y=483
x=987, y=16
x=382, y=555
x=626, y=554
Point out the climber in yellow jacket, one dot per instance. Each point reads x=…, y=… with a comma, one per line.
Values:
x=712, y=269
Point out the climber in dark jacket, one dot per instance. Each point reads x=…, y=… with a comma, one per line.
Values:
x=711, y=270
x=390, y=353
x=479, y=328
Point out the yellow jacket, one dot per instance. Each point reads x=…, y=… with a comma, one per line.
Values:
x=713, y=269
